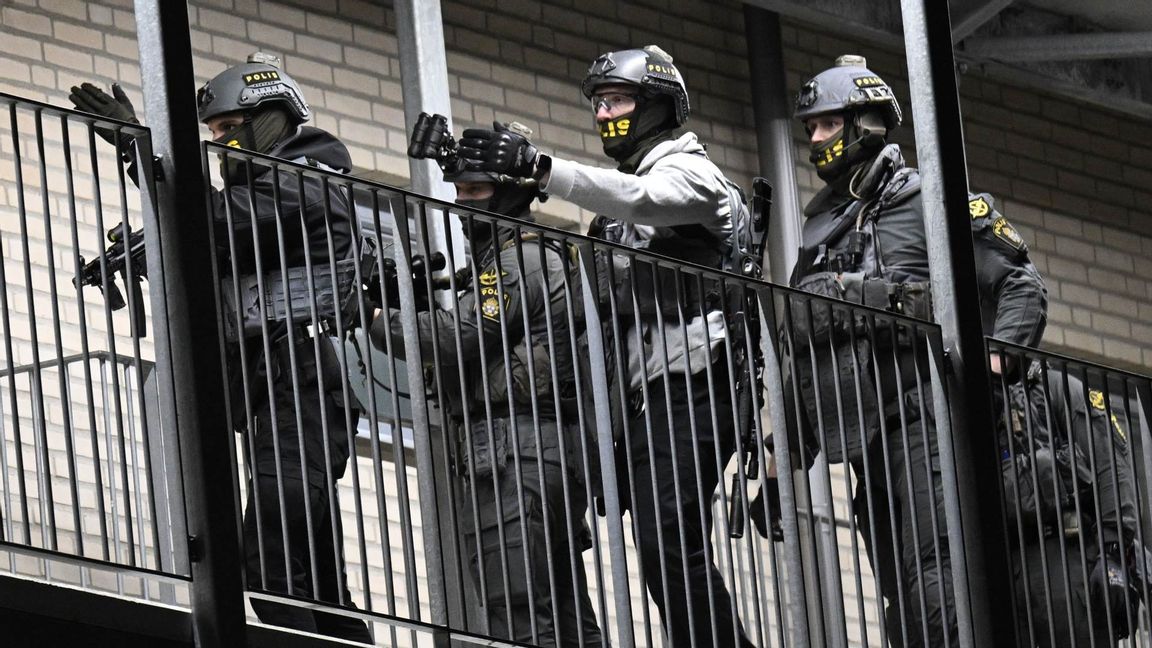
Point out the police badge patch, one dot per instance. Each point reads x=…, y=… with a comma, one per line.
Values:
x=490, y=309
x=1096, y=398
x=978, y=207
x=1005, y=232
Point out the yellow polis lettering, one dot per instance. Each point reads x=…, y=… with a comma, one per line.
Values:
x=257, y=77
x=622, y=126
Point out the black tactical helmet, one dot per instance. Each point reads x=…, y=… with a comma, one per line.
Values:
x=848, y=87
x=258, y=82
x=649, y=69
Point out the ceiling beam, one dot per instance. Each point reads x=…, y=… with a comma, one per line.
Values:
x=965, y=23
x=1061, y=47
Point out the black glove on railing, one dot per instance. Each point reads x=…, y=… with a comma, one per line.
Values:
x=498, y=151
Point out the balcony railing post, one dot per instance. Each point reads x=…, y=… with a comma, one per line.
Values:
x=187, y=362
x=605, y=449
x=982, y=575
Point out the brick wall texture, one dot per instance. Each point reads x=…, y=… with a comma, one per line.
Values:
x=1074, y=178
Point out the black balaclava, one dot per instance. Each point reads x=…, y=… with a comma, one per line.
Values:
x=862, y=136
x=623, y=135
x=509, y=199
x=260, y=132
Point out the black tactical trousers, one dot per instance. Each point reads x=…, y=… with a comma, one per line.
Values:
x=1051, y=594
x=899, y=507
x=285, y=565
x=670, y=451
x=296, y=548
x=532, y=534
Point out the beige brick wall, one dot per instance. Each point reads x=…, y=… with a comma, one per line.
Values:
x=1073, y=177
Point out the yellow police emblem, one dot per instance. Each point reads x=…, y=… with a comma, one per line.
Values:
x=979, y=207
x=490, y=308
x=489, y=278
x=1005, y=232
x=1096, y=398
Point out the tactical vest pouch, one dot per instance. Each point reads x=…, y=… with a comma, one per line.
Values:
x=290, y=293
x=838, y=392
x=815, y=321
x=628, y=271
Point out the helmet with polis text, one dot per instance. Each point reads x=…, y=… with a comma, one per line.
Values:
x=256, y=84
x=862, y=99
x=648, y=76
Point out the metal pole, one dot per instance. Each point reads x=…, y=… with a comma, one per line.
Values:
x=983, y=587
x=187, y=362
x=772, y=108
x=424, y=83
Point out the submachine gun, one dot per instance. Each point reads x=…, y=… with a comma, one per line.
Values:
x=124, y=256
x=750, y=381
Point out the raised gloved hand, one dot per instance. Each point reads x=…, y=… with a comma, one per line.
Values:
x=769, y=525
x=498, y=151
x=90, y=98
x=1108, y=581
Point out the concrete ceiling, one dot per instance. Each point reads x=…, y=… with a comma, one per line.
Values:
x=1117, y=15
x=1099, y=51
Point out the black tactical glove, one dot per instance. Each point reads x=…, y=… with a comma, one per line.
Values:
x=1109, y=582
x=92, y=99
x=769, y=525
x=498, y=151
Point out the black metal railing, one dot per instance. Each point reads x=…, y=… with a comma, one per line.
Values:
x=88, y=471
x=547, y=398
x=1075, y=457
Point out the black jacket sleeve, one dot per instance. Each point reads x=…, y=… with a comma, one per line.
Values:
x=1014, y=301
x=1100, y=435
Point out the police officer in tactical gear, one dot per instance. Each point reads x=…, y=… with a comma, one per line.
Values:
x=293, y=391
x=299, y=424
x=665, y=196
x=1070, y=503
x=292, y=411
x=863, y=241
x=510, y=432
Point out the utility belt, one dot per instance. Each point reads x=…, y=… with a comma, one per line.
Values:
x=913, y=299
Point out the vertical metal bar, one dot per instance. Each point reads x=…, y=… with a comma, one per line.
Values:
x=426, y=477
x=54, y=293
x=39, y=421
x=977, y=539
x=613, y=512
x=774, y=360
x=8, y=351
x=178, y=243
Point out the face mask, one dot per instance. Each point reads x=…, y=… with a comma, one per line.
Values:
x=260, y=133
x=614, y=136
x=828, y=156
x=232, y=168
